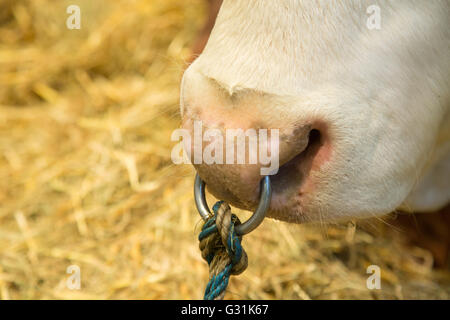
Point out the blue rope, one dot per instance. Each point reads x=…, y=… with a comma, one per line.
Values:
x=219, y=281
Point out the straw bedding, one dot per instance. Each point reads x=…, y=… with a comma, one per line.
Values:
x=86, y=176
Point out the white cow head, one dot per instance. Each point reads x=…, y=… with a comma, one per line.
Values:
x=362, y=113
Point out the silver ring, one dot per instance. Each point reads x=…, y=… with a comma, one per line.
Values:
x=249, y=225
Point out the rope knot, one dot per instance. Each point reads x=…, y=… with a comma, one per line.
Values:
x=221, y=248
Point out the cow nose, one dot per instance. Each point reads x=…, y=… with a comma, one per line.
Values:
x=238, y=138
x=234, y=161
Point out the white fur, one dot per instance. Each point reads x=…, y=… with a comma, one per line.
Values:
x=384, y=93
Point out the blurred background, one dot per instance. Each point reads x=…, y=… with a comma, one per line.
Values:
x=86, y=177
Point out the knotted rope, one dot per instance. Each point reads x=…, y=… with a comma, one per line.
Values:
x=221, y=248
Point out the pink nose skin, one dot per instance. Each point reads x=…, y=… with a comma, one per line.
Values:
x=300, y=145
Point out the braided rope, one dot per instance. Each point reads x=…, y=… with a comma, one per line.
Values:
x=221, y=248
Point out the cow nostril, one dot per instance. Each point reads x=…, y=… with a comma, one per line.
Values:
x=314, y=140
x=293, y=173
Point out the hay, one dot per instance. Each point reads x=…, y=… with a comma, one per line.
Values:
x=86, y=177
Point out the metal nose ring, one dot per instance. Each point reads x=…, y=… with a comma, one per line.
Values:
x=249, y=225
